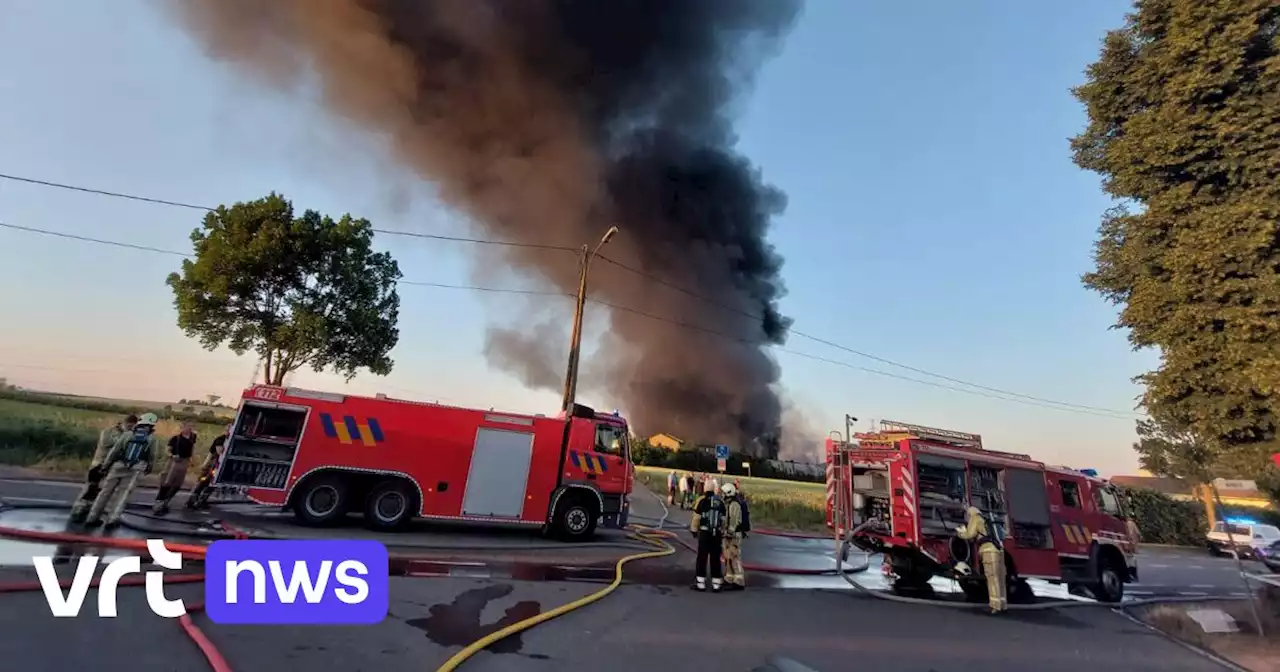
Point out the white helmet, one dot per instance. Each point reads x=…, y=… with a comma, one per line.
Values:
x=148, y=419
x=728, y=490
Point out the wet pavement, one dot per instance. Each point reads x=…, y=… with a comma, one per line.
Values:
x=652, y=622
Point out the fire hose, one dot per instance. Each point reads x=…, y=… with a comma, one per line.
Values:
x=847, y=542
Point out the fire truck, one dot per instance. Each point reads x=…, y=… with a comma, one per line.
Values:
x=903, y=490
x=325, y=455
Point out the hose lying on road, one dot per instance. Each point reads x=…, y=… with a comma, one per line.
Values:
x=210, y=652
x=215, y=529
x=749, y=566
x=1039, y=606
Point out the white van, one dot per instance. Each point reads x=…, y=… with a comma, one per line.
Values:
x=1245, y=539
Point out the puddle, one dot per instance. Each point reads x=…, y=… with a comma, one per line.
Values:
x=16, y=552
x=458, y=623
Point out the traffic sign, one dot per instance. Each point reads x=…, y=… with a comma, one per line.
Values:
x=722, y=465
x=722, y=452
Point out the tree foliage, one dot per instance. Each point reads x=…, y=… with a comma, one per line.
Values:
x=298, y=291
x=1184, y=127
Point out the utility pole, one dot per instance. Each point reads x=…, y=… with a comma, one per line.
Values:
x=575, y=339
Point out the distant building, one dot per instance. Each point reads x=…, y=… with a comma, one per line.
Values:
x=1177, y=488
x=666, y=441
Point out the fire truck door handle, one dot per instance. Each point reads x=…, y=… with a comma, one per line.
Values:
x=591, y=477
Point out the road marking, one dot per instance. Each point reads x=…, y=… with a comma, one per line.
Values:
x=1203, y=585
x=1195, y=566
x=1156, y=566
x=1239, y=594
x=1193, y=594
x=35, y=500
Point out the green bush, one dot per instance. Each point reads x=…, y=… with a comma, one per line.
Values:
x=1165, y=520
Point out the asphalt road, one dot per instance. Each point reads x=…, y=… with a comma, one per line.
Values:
x=639, y=627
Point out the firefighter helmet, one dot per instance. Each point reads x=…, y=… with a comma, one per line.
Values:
x=728, y=490
x=148, y=419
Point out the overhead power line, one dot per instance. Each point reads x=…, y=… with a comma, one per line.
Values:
x=1007, y=395
x=1106, y=413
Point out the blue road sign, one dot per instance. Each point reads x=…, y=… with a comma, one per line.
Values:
x=722, y=452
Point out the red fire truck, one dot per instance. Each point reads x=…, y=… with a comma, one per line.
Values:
x=324, y=455
x=905, y=489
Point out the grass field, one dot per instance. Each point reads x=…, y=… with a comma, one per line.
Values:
x=785, y=505
x=57, y=438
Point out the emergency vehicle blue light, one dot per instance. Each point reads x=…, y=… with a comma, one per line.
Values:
x=1090, y=472
x=1241, y=521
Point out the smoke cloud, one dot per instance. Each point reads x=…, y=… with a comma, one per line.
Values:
x=547, y=121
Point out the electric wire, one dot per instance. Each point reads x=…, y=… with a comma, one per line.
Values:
x=978, y=389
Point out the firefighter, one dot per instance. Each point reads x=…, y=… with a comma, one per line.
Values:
x=181, y=446
x=735, y=577
x=992, y=555
x=707, y=524
x=199, y=497
x=107, y=439
x=132, y=455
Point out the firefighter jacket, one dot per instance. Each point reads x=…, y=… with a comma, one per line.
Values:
x=708, y=515
x=106, y=440
x=136, y=450
x=733, y=518
x=975, y=530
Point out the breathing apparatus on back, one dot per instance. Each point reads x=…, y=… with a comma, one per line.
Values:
x=139, y=445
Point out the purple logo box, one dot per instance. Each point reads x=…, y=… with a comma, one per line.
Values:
x=305, y=582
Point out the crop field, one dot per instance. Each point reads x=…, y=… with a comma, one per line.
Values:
x=58, y=438
x=785, y=505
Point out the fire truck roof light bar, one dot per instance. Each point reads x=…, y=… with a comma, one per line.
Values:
x=923, y=432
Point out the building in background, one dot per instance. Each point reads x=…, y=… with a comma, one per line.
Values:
x=666, y=441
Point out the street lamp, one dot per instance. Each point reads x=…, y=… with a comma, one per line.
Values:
x=575, y=341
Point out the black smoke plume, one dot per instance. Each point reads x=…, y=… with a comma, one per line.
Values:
x=547, y=121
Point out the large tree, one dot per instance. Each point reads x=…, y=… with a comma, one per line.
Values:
x=1184, y=127
x=298, y=291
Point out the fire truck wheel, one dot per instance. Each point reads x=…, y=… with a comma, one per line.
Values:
x=575, y=518
x=1110, y=584
x=391, y=505
x=323, y=500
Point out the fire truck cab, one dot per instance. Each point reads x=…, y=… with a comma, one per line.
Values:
x=324, y=455
x=903, y=491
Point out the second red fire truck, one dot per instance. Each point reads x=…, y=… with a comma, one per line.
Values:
x=905, y=489
x=324, y=455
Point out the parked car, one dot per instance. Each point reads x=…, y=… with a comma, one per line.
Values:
x=1270, y=556
x=1248, y=539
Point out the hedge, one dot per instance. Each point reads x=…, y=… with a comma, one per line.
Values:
x=1165, y=520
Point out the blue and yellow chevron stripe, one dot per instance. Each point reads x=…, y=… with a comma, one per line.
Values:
x=1077, y=534
x=592, y=464
x=349, y=431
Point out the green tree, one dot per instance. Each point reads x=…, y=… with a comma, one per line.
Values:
x=1184, y=115
x=298, y=291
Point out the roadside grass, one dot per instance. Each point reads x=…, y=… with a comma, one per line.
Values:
x=778, y=504
x=1244, y=648
x=62, y=440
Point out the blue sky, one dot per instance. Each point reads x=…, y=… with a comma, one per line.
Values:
x=935, y=216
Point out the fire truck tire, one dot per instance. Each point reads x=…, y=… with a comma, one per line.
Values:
x=391, y=504
x=1110, y=584
x=322, y=500
x=575, y=518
